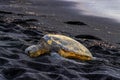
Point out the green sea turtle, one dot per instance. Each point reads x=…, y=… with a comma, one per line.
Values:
x=63, y=45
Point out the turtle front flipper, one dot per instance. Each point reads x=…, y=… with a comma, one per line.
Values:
x=70, y=54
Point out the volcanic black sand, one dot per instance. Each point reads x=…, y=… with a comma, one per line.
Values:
x=24, y=22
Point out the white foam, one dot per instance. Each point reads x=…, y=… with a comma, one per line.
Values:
x=102, y=8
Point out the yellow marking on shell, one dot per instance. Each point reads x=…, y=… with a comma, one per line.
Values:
x=49, y=42
x=68, y=54
x=38, y=53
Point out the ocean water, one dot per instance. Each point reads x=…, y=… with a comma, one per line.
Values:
x=100, y=8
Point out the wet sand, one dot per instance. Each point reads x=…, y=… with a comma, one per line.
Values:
x=23, y=23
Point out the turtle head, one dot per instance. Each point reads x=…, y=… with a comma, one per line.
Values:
x=35, y=50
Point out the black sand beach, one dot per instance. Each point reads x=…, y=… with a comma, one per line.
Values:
x=24, y=22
